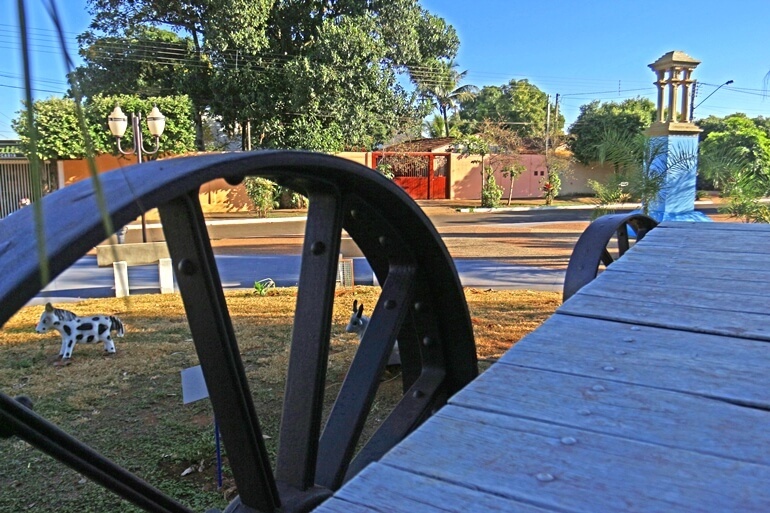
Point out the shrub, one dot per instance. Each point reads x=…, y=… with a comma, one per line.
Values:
x=261, y=193
x=491, y=192
x=551, y=187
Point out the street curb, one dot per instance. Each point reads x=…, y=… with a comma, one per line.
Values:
x=629, y=206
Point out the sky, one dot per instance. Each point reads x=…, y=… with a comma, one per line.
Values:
x=582, y=50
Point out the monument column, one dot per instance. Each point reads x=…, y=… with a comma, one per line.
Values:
x=674, y=139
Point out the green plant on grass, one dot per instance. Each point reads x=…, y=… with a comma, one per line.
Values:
x=744, y=191
x=614, y=191
x=262, y=286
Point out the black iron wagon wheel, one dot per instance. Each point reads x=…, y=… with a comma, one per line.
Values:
x=421, y=305
x=604, y=241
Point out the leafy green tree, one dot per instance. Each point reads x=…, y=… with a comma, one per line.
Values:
x=709, y=125
x=261, y=192
x=735, y=156
x=626, y=119
x=209, y=33
x=763, y=123
x=331, y=99
x=744, y=192
x=59, y=135
x=442, y=88
x=145, y=61
x=435, y=127
x=313, y=75
x=739, y=135
x=518, y=106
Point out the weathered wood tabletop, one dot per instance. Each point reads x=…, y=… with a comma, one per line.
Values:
x=648, y=391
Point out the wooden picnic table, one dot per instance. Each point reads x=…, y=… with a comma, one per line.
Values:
x=647, y=391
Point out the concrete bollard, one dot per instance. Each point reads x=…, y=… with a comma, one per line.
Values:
x=166, y=276
x=120, y=269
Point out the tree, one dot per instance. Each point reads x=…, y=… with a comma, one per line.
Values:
x=435, y=127
x=505, y=146
x=145, y=61
x=330, y=99
x=442, y=87
x=207, y=26
x=626, y=119
x=314, y=75
x=518, y=106
x=471, y=145
x=740, y=136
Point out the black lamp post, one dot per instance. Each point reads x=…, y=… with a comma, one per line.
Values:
x=118, y=123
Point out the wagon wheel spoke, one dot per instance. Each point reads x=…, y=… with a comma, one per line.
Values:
x=606, y=257
x=593, y=247
x=212, y=331
x=426, y=395
x=347, y=417
x=622, y=236
x=303, y=398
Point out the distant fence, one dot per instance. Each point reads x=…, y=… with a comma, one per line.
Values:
x=16, y=181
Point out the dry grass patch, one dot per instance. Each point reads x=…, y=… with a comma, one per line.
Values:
x=129, y=405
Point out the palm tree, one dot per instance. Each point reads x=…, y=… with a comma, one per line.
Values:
x=443, y=89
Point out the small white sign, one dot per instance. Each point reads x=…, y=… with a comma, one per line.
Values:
x=193, y=385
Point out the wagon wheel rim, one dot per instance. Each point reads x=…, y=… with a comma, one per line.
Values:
x=604, y=241
x=436, y=345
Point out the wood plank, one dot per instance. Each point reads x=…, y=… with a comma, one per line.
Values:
x=395, y=490
x=702, y=261
x=729, y=369
x=335, y=504
x=662, y=417
x=626, y=286
x=697, y=238
x=573, y=470
x=699, y=320
x=667, y=278
x=715, y=227
x=729, y=267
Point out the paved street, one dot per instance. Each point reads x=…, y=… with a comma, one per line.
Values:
x=499, y=250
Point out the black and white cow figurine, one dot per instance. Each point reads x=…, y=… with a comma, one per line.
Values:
x=76, y=330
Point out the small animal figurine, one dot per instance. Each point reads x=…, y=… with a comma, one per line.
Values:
x=75, y=330
x=358, y=324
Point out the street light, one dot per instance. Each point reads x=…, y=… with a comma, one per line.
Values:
x=118, y=123
x=692, y=103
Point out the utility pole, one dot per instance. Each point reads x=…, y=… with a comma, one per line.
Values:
x=556, y=108
x=692, y=100
x=547, y=122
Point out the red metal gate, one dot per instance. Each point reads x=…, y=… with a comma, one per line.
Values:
x=423, y=175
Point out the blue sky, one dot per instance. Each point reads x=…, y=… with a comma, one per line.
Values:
x=581, y=50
